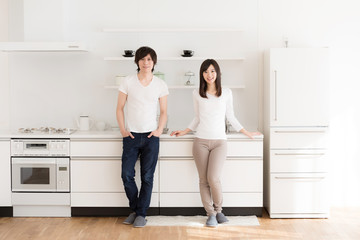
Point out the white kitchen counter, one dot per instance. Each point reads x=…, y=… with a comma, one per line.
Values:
x=7, y=134
x=116, y=134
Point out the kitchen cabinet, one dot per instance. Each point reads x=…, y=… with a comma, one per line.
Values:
x=96, y=174
x=5, y=178
x=296, y=126
x=242, y=179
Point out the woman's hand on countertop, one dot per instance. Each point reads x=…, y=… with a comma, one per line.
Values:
x=250, y=134
x=179, y=133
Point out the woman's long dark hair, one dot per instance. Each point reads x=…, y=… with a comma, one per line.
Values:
x=143, y=52
x=203, y=85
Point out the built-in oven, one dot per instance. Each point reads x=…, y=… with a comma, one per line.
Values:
x=40, y=165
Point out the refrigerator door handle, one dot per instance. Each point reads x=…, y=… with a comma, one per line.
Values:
x=299, y=154
x=300, y=131
x=302, y=178
x=275, y=89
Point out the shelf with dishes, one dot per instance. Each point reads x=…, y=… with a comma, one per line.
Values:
x=240, y=86
x=139, y=30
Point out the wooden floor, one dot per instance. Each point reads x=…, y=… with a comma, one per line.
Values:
x=342, y=224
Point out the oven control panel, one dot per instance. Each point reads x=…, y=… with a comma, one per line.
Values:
x=40, y=147
x=63, y=174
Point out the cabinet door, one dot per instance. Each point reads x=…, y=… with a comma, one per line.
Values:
x=5, y=179
x=299, y=193
x=237, y=176
x=242, y=176
x=299, y=87
x=102, y=175
x=178, y=175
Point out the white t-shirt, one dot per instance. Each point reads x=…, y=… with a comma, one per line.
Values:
x=142, y=103
x=209, y=120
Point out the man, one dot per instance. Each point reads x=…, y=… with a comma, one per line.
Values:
x=141, y=92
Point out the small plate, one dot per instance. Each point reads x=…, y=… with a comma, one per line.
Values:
x=186, y=55
x=125, y=55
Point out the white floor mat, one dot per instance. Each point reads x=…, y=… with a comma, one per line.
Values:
x=199, y=221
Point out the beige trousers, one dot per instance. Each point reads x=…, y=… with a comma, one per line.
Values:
x=210, y=156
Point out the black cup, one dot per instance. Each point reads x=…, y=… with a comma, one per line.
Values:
x=188, y=52
x=128, y=52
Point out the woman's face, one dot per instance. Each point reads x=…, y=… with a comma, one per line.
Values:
x=146, y=64
x=210, y=75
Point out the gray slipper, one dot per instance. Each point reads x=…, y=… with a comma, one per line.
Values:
x=211, y=221
x=140, y=221
x=220, y=217
x=130, y=219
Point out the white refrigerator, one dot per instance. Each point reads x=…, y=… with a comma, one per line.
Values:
x=295, y=129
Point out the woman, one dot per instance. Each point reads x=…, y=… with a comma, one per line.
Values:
x=211, y=105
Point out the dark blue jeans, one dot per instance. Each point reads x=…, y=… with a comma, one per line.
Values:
x=148, y=150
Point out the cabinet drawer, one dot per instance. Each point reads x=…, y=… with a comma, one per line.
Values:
x=176, y=148
x=299, y=193
x=180, y=175
x=100, y=148
x=245, y=148
x=298, y=161
x=293, y=138
x=102, y=175
x=242, y=176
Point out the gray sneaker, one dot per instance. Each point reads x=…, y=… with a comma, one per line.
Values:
x=211, y=221
x=220, y=217
x=130, y=219
x=140, y=221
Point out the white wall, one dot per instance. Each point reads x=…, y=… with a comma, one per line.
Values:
x=4, y=80
x=76, y=79
x=54, y=88
x=333, y=24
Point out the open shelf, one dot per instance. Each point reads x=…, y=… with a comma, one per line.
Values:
x=177, y=58
x=172, y=30
x=43, y=47
x=183, y=86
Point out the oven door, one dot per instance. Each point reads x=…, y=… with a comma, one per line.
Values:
x=33, y=174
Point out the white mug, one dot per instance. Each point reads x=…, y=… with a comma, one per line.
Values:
x=84, y=123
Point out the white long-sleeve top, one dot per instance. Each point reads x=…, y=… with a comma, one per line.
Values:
x=210, y=113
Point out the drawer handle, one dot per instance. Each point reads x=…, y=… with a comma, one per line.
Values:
x=301, y=178
x=299, y=154
x=300, y=131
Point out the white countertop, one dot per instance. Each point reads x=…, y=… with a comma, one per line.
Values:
x=111, y=134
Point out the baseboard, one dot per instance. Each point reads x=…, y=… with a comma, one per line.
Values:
x=167, y=211
x=107, y=211
x=6, y=211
